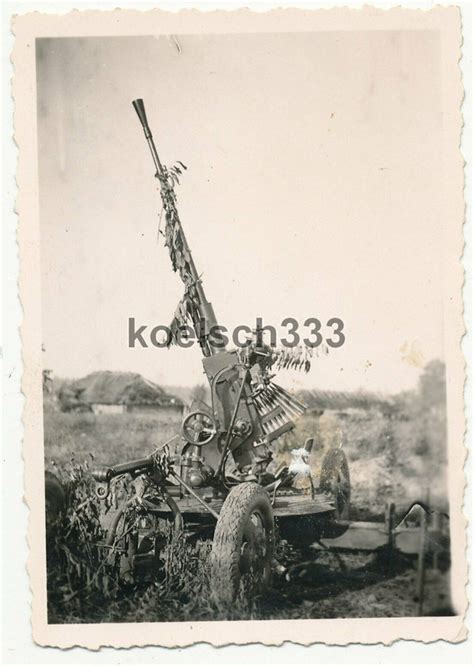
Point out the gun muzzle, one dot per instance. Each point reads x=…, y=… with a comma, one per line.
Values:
x=133, y=466
x=139, y=107
x=102, y=475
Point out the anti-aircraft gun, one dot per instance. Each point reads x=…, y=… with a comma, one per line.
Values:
x=248, y=410
x=213, y=479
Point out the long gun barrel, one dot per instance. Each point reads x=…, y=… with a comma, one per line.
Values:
x=133, y=466
x=203, y=316
x=139, y=107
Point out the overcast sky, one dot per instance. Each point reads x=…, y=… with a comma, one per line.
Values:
x=313, y=187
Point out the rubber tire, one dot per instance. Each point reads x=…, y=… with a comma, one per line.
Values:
x=240, y=504
x=334, y=463
x=55, y=499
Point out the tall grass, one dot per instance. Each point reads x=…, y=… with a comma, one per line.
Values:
x=110, y=438
x=84, y=581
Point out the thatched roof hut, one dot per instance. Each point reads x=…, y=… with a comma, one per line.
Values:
x=127, y=390
x=344, y=400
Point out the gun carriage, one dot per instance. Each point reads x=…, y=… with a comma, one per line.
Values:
x=213, y=479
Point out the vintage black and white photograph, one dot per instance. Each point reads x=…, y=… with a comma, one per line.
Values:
x=244, y=352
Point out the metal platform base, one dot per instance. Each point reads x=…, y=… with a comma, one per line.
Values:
x=365, y=536
x=284, y=505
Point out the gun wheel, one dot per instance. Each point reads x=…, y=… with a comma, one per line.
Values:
x=336, y=482
x=199, y=428
x=55, y=500
x=242, y=550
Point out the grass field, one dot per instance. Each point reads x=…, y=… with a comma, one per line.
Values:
x=109, y=438
x=385, y=458
x=389, y=461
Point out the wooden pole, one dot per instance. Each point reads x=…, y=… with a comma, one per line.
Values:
x=420, y=577
x=389, y=519
x=436, y=533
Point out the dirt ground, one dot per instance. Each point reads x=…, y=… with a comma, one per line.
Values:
x=349, y=584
